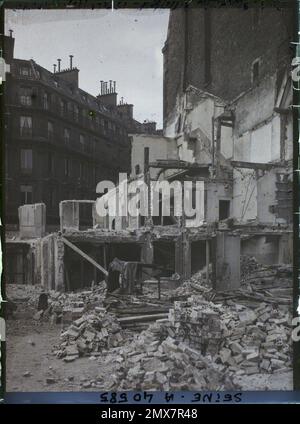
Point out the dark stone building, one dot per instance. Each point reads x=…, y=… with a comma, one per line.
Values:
x=224, y=51
x=60, y=141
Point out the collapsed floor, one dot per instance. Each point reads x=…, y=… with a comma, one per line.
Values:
x=193, y=338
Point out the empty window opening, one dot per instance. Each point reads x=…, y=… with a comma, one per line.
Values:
x=198, y=255
x=26, y=194
x=224, y=209
x=164, y=255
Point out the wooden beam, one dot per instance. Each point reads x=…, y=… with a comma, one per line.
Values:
x=84, y=255
x=255, y=165
x=142, y=318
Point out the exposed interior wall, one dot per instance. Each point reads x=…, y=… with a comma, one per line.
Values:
x=159, y=148
x=261, y=144
x=266, y=197
x=215, y=192
x=244, y=194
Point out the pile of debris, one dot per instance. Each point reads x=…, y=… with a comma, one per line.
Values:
x=89, y=336
x=195, y=284
x=156, y=361
x=22, y=292
x=248, y=266
x=245, y=340
x=67, y=307
x=56, y=306
x=205, y=345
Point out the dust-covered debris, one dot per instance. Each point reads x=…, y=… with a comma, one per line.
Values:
x=89, y=335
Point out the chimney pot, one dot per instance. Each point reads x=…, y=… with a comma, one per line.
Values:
x=58, y=60
x=71, y=61
x=54, y=68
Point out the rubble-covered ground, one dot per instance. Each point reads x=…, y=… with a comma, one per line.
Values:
x=191, y=339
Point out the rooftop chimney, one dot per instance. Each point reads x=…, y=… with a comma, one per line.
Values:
x=10, y=32
x=54, y=68
x=70, y=75
x=108, y=95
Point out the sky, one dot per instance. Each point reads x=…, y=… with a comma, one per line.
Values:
x=120, y=45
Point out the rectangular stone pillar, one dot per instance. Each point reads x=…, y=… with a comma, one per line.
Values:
x=227, y=262
x=59, y=250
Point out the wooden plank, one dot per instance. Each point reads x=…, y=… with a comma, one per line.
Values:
x=141, y=318
x=84, y=255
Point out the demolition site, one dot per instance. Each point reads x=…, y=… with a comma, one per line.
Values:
x=160, y=301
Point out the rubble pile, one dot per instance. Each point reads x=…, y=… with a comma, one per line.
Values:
x=66, y=307
x=195, y=284
x=58, y=307
x=23, y=292
x=248, y=265
x=197, y=324
x=89, y=335
x=202, y=342
x=245, y=340
x=156, y=361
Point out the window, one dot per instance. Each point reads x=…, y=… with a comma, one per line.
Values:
x=191, y=145
x=50, y=162
x=25, y=96
x=62, y=107
x=80, y=170
x=50, y=130
x=26, y=161
x=26, y=125
x=52, y=197
x=81, y=140
x=255, y=72
x=46, y=101
x=67, y=167
x=224, y=209
x=70, y=109
x=25, y=71
x=76, y=113
x=137, y=169
x=67, y=136
x=26, y=194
